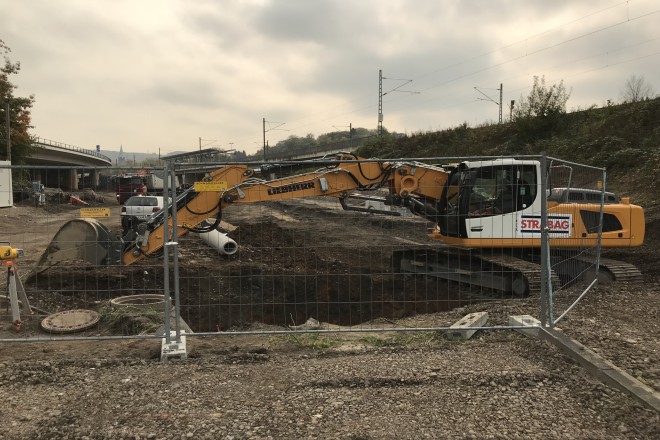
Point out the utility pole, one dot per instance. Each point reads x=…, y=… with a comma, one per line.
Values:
x=380, y=103
x=499, y=104
x=381, y=94
x=206, y=142
x=279, y=124
x=8, y=127
x=350, y=132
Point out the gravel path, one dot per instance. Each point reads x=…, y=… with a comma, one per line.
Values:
x=500, y=385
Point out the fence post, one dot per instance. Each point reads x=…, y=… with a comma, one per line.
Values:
x=175, y=249
x=600, y=222
x=545, y=273
x=166, y=259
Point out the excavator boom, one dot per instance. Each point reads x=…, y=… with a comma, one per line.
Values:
x=238, y=185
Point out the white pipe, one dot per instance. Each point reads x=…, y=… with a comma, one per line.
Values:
x=220, y=242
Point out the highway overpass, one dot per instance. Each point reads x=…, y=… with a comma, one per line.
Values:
x=65, y=166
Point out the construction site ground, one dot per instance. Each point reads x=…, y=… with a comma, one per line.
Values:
x=497, y=385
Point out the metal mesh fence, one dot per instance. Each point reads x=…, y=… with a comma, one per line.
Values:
x=579, y=211
x=67, y=222
x=321, y=246
x=361, y=262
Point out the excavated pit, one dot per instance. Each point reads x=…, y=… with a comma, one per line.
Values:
x=285, y=274
x=282, y=275
x=290, y=299
x=237, y=296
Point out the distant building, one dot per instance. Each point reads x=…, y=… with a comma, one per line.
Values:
x=121, y=160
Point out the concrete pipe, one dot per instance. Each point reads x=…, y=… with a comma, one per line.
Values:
x=220, y=242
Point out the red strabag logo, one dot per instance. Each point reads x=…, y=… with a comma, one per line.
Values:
x=558, y=225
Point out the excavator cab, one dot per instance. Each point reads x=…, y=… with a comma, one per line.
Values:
x=478, y=193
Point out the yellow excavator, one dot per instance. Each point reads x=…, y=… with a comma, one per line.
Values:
x=476, y=207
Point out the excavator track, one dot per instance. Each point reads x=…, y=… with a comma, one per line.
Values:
x=572, y=268
x=622, y=271
x=531, y=272
x=503, y=273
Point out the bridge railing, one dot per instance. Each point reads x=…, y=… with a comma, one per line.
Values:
x=64, y=146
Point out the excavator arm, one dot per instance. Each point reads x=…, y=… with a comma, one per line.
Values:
x=415, y=185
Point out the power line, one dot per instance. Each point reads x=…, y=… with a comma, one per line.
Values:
x=535, y=52
x=630, y=60
x=271, y=128
x=526, y=39
x=499, y=103
x=381, y=94
x=485, y=69
x=542, y=50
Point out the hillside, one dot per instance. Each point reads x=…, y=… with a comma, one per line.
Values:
x=625, y=139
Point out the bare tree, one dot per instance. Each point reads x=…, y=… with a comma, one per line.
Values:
x=636, y=89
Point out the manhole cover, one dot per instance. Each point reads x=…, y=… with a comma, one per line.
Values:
x=70, y=321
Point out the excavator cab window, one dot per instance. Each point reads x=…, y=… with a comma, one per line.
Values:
x=500, y=190
x=449, y=204
x=529, y=187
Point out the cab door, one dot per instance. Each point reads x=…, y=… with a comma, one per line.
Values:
x=495, y=197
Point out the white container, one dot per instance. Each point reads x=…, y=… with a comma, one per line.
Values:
x=220, y=242
x=6, y=194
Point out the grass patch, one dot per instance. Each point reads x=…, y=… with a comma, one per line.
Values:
x=131, y=321
x=375, y=341
x=404, y=339
x=313, y=341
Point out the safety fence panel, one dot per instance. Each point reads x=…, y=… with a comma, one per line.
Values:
x=335, y=245
x=67, y=224
x=317, y=246
x=581, y=213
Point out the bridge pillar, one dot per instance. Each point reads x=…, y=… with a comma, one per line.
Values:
x=94, y=179
x=37, y=176
x=73, y=179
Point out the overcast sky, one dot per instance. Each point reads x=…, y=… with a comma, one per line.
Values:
x=159, y=74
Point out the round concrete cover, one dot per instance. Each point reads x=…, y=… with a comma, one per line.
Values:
x=70, y=321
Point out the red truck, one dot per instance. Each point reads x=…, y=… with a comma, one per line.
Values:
x=129, y=186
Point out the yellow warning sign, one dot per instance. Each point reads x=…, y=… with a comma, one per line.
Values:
x=94, y=212
x=210, y=186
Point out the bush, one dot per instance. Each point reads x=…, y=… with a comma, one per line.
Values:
x=540, y=112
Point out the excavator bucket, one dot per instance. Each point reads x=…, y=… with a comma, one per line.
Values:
x=84, y=240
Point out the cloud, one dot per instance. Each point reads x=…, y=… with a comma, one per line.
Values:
x=165, y=73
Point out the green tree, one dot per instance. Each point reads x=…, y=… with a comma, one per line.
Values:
x=151, y=162
x=538, y=114
x=345, y=140
x=294, y=146
x=543, y=101
x=19, y=112
x=240, y=155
